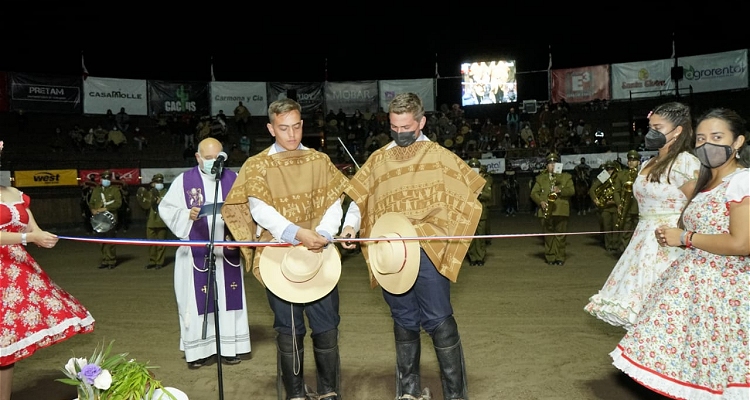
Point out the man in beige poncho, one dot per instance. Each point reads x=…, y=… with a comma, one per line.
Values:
x=292, y=194
x=437, y=191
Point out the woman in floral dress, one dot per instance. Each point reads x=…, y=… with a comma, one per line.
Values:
x=661, y=189
x=36, y=313
x=691, y=339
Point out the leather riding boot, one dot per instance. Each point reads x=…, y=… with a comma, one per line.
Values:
x=408, y=353
x=450, y=357
x=291, y=361
x=327, y=363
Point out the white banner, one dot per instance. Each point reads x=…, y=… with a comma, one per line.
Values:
x=4, y=178
x=714, y=72
x=425, y=88
x=642, y=79
x=351, y=96
x=494, y=165
x=102, y=94
x=227, y=95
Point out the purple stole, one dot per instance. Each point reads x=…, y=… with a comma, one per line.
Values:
x=192, y=184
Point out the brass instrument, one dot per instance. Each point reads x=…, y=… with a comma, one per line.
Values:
x=551, y=198
x=605, y=192
x=627, y=198
x=148, y=197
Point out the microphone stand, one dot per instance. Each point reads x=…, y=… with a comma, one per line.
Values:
x=212, y=287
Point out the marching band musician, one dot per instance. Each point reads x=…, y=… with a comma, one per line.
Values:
x=602, y=194
x=627, y=207
x=156, y=229
x=552, y=191
x=106, y=198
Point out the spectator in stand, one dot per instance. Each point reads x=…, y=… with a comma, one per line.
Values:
x=122, y=120
x=116, y=139
x=139, y=138
x=241, y=118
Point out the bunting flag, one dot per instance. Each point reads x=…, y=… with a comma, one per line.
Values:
x=213, y=78
x=84, y=71
x=549, y=66
x=673, y=52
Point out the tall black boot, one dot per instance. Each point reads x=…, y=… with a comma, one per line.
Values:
x=450, y=357
x=408, y=353
x=291, y=362
x=327, y=363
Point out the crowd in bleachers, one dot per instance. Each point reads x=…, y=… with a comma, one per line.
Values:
x=168, y=139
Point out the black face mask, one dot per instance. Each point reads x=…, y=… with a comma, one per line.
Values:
x=655, y=140
x=713, y=155
x=403, y=139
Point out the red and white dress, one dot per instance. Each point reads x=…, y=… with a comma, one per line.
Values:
x=36, y=313
x=692, y=337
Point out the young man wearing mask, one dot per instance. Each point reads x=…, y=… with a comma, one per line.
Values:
x=438, y=193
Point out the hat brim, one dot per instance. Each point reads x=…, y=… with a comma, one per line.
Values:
x=402, y=281
x=299, y=292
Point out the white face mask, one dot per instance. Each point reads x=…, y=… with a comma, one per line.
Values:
x=207, y=165
x=106, y=182
x=159, y=186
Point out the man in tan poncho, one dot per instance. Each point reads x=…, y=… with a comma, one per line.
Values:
x=437, y=191
x=289, y=193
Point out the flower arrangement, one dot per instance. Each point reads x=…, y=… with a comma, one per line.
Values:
x=106, y=376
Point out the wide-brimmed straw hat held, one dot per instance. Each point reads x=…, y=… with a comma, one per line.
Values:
x=299, y=275
x=394, y=263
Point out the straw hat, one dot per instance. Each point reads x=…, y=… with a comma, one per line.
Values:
x=394, y=263
x=298, y=275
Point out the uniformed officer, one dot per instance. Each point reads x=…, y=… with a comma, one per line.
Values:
x=106, y=198
x=552, y=191
x=627, y=207
x=478, y=248
x=607, y=208
x=156, y=229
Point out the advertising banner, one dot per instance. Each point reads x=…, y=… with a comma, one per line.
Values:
x=308, y=95
x=494, y=165
x=425, y=88
x=44, y=93
x=102, y=94
x=226, y=96
x=580, y=85
x=714, y=72
x=642, y=79
x=351, y=96
x=4, y=96
x=178, y=98
x=129, y=176
x=52, y=177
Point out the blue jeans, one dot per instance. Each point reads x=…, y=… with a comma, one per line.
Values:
x=323, y=314
x=426, y=304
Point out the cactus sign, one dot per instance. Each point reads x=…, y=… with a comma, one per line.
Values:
x=178, y=98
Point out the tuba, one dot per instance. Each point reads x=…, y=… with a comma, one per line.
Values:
x=604, y=193
x=551, y=198
x=627, y=198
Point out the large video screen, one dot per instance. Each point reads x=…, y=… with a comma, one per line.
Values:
x=488, y=82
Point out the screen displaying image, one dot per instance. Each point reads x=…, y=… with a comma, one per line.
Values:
x=488, y=82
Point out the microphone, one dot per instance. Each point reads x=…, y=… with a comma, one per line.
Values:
x=219, y=162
